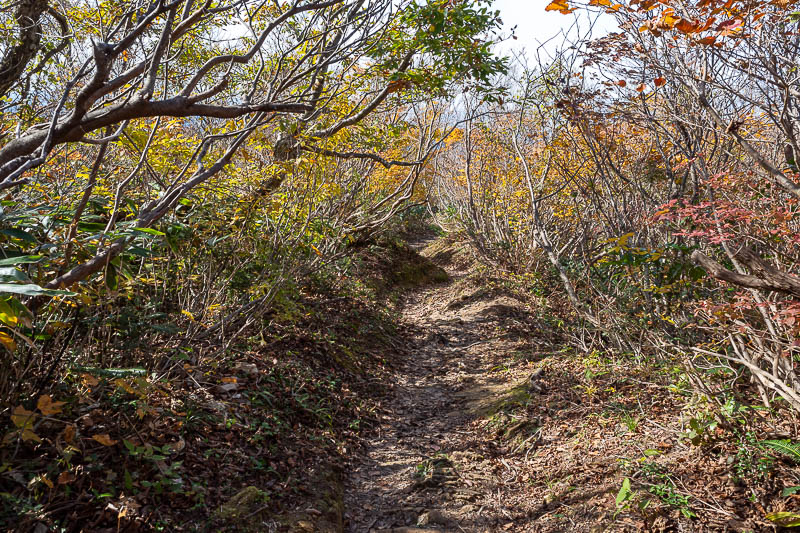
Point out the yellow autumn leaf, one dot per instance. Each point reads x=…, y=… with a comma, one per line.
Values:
x=7, y=341
x=7, y=314
x=28, y=434
x=104, y=439
x=47, y=406
x=188, y=314
x=124, y=385
x=559, y=5
x=623, y=240
x=22, y=418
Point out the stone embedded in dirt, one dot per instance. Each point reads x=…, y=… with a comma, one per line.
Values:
x=228, y=387
x=432, y=472
x=246, y=368
x=534, y=380
x=303, y=526
x=434, y=516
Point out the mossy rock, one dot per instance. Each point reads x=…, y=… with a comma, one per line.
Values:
x=243, y=505
x=420, y=273
x=407, y=268
x=325, y=508
x=513, y=399
x=393, y=267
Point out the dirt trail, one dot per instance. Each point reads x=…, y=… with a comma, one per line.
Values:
x=437, y=462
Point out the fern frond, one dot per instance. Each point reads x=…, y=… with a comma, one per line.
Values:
x=786, y=447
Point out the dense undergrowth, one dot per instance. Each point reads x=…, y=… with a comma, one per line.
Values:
x=165, y=445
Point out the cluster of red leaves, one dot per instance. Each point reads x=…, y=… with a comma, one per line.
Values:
x=742, y=209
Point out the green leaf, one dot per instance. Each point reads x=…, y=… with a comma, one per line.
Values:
x=19, y=234
x=788, y=491
x=624, y=492
x=139, y=251
x=12, y=274
x=112, y=282
x=92, y=226
x=110, y=372
x=31, y=289
x=128, y=481
x=784, y=518
x=151, y=231
x=785, y=447
x=21, y=260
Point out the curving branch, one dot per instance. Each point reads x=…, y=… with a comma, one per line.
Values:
x=386, y=163
x=764, y=276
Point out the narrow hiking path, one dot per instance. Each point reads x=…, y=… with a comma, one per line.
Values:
x=450, y=454
x=408, y=476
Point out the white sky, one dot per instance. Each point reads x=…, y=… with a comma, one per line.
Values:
x=535, y=25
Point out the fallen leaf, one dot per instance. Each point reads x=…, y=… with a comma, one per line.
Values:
x=66, y=477
x=660, y=82
x=784, y=518
x=124, y=385
x=22, y=418
x=69, y=434
x=28, y=434
x=104, y=439
x=89, y=380
x=178, y=446
x=47, y=406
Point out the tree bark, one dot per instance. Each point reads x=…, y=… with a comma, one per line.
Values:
x=17, y=58
x=763, y=275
